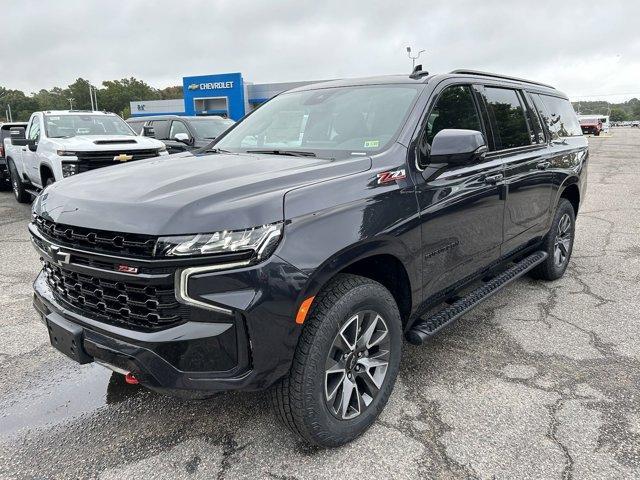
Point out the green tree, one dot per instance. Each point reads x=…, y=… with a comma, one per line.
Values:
x=618, y=114
x=21, y=106
x=116, y=94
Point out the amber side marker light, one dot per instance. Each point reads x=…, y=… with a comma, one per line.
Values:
x=303, y=310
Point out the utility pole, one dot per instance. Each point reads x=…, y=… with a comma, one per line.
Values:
x=91, y=97
x=10, y=114
x=413, y=57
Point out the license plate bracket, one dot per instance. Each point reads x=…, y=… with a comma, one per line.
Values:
x=67, y=338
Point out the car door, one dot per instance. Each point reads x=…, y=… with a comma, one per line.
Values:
x=461, y=207
x=519, y=143
x=30, y=158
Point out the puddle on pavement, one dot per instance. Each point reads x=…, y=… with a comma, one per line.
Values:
x=91, y=388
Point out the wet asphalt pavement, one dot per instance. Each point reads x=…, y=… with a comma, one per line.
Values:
x=539, y=382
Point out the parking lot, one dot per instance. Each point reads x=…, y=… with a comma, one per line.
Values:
x=541, y=381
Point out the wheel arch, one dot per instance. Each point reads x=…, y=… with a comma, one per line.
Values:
x=570, y=190
x=45, y=171
x=382, y=260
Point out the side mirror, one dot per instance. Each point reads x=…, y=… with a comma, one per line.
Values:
x=182, y=137
x=458, y=147
x=17, y=132
x=148, y=131
x=32, y=145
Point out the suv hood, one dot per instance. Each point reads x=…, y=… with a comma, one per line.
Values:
x=186, y=193
x=120, y=142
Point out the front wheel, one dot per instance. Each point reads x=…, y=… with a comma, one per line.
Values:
x=17, y=185
x=345, y=364
x=558, y=243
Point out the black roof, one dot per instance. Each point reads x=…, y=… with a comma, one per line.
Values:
x=424, y=78
x=174, y=117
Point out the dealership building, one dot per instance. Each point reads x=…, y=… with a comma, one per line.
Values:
x=225, y=94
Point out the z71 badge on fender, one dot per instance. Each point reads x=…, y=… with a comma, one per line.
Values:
x=386, y=177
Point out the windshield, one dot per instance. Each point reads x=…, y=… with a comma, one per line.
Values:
x=59, y=126
x=210, y=128
x=331, y=122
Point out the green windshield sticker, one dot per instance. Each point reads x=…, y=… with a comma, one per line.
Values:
x=371, y=143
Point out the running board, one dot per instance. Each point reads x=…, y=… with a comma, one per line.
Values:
x=429, y=326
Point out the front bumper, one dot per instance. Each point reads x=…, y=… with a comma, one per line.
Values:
x=248, y=347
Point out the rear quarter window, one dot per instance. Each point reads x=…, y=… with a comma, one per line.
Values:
x=561, y=120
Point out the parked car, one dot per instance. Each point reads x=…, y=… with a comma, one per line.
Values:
x=182, y=133
x=635, y=123
x=59, y=144
x=296, y=253
x=5, y=129
x=591, y=126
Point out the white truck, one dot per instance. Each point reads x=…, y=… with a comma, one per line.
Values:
x=58, y=144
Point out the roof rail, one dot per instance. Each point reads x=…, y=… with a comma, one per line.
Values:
x=495, y=75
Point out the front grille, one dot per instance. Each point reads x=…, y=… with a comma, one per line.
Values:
x=92, y=160
x=124, y=304
x=127, y=244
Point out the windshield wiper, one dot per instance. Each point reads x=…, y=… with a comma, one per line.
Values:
x=217, y=150
x=291, y=153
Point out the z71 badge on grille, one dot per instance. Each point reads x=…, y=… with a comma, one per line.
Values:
x=126, y=269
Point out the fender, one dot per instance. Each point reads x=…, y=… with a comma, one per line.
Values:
x=338, y=262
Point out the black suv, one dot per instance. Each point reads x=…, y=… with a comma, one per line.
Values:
x=181, y=133
x=312, y=236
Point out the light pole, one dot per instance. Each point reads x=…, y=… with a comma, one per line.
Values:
x=413, y=57
x=70, y=103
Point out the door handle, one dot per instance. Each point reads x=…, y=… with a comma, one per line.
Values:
x=543, y=165
x=493, y=179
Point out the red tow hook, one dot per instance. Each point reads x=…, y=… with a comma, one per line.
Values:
x=131, y=379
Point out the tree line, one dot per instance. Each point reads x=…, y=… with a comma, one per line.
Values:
x=113, y=96
x=618, y=112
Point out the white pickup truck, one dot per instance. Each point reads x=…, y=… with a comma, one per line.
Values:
x=58, y=144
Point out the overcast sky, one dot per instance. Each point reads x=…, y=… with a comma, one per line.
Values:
x=585, y=48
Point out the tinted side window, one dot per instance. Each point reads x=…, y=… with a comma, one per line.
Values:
x=454, y=108
x=562, y=120
x=534, y=121
x=137, y=126
x=511, y=125
x=161, y=129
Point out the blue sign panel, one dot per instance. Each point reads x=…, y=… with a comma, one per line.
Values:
x=214, y=95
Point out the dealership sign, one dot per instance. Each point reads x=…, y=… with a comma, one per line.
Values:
x=210, y=86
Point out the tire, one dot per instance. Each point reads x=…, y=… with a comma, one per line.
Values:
x=17, y=185
x=558, y=252
x=301, y=399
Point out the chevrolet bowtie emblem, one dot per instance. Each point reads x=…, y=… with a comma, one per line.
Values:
x=123, y=157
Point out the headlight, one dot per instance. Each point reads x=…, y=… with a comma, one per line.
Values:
x=262, y=241
x=163, y=148
x=69, y=169
x=65, y=153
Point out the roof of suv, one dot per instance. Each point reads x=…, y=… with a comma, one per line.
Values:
x=172, y=117
x=422, y=77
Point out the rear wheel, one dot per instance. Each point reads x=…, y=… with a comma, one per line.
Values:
x=558, y=243
x=345, y=365
x=17, y=185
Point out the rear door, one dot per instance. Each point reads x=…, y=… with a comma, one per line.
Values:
x=520, y=143
x=461, y=207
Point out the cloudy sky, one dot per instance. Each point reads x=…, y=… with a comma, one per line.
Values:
x=587, y=49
